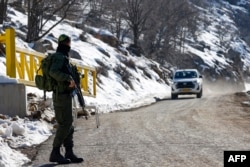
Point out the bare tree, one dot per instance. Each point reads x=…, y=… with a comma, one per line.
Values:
x=96, y=11
x=116, y=21
x=170, y=24
x=137, y=13
x=188, y=26
x=40, y=12
x=225, y=34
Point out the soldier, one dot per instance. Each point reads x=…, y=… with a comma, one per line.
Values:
x=61, y=71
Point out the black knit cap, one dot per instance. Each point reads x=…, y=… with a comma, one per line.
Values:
x=63, y=39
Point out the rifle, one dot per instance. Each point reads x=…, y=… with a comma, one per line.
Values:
x=81, y=101
x=77, y=91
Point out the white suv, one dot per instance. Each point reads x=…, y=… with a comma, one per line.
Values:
x=186, y=81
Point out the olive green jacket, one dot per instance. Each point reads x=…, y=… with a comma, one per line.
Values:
x=60, y=72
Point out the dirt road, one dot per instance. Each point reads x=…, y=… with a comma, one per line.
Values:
x=187, y=132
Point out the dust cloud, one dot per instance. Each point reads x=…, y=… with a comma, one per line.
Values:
x=222, y=87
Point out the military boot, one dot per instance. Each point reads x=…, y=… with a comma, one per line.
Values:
x=70, y=155
x=56, y=156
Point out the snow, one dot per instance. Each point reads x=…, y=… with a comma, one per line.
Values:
x=219, y=14
x=20, y=133
x=5, y=79
x=10, y=157
x=112, y=93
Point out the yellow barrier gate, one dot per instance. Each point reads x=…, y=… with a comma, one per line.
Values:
x=25, y=63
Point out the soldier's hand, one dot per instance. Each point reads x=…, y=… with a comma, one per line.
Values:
x=72, y=84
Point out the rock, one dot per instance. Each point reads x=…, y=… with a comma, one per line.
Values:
x=14, y=118
x=246, y=103
x=31, y=96
x=240, y=94
x=3, y=116
x=74, y=54
x=36, y=114
x=43, y=46
x=108, y=38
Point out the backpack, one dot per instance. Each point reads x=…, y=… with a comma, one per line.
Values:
x=45, y=82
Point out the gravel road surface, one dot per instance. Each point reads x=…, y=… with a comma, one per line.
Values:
x=187, y=132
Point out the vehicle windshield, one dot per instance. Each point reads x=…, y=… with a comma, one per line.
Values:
x=185, y=74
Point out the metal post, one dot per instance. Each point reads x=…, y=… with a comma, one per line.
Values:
x=85, y=80
x=94, y=83
x=10, y=53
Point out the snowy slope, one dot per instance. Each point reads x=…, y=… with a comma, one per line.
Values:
x=112, y=90
x=219, y=45
x=112, y=93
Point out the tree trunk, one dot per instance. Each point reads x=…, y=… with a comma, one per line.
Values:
x=33, y=21
x=36, y=13
x=3, y=10
x=136, y=35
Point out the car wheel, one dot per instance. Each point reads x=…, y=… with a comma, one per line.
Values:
x=174, y=96
x=199, y=95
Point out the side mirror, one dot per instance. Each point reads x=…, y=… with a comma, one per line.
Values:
x=200, y=76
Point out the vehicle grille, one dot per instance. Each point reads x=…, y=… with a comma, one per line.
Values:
x=185, y=85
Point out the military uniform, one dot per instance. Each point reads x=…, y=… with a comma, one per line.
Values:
x=62, y=100
x=61, y=71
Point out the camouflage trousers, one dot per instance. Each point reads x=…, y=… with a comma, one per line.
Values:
x=63, y=114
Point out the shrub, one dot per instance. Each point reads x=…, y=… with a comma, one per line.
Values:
x=102, y=69
x=103, y=51
x=124, y=74
x=130, y=63
x=157, y=71
x=99, y=62
x=145, y=72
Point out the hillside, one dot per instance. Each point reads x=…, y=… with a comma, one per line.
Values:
x=220, y=50
x=123, y=81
